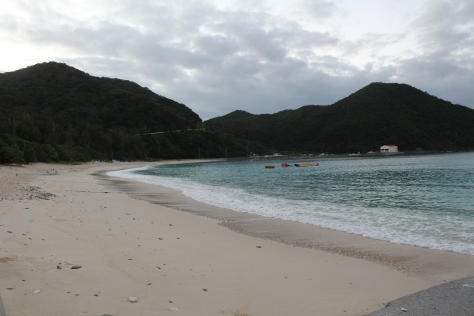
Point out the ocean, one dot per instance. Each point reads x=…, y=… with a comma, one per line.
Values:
x=421, y=200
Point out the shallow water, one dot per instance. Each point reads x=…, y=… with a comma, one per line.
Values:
x=423, y=200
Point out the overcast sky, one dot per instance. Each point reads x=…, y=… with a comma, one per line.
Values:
x=217, y=56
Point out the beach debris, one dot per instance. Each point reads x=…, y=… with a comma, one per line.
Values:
x=9, y=288
x=205, y=290
x=7, y=259
x=59, y=267
x=404, y=310
x=71, y=265
x=31, y=192
x=133, y=299
x=259, y=246
x=36, y=291
x=174, y=309
x=9, y=231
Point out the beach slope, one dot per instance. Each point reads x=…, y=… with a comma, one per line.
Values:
x=69, y=246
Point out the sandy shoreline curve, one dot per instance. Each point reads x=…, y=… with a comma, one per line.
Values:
x=55, y=217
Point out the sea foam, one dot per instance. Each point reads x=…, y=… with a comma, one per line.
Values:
x=393, y=225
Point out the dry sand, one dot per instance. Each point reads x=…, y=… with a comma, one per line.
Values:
x=53, y=217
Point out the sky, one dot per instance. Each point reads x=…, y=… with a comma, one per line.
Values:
x=261, y=56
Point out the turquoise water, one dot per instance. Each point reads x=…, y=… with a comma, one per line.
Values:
x=423, y=200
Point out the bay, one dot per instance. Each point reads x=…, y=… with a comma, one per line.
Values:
x=421, y=200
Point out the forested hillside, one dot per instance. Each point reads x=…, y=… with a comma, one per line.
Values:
x=376, y=115
x=52, y=111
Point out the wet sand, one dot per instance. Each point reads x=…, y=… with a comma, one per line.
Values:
x=424, y=263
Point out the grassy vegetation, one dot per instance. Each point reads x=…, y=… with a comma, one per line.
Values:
x=73, y=163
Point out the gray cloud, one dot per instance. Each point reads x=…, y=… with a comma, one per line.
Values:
x=216, y=61
x=446, y=66
x=321, y=9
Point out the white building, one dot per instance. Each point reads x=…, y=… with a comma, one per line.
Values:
x=389, y=149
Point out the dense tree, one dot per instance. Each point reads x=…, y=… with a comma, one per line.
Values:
x=51, y=112
x=376, y=115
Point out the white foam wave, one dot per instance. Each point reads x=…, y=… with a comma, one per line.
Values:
x=396, y=226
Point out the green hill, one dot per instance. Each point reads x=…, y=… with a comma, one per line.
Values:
x=68, y=95
x=376, y=115
x=52, y=111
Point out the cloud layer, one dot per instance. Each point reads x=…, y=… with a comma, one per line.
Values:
x=220, y=56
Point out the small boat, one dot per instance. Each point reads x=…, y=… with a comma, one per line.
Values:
x=306, y=164
x=285, y=165
x=269, y=166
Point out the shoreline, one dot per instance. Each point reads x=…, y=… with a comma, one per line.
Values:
x=430, y=265
x=354, y=155
x=175, y=263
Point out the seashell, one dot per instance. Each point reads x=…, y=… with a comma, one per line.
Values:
x=133, y=299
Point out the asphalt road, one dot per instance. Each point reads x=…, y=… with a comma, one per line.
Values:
x=455, y=298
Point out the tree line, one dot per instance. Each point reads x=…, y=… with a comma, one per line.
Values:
x=42, y=140
x=54, y=112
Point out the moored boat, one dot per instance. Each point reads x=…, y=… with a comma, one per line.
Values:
x=306, y=164
x=269, y=166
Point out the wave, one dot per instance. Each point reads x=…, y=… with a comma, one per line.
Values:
x=425, y=229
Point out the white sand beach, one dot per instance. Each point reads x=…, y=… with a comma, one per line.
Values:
x=56, y=217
